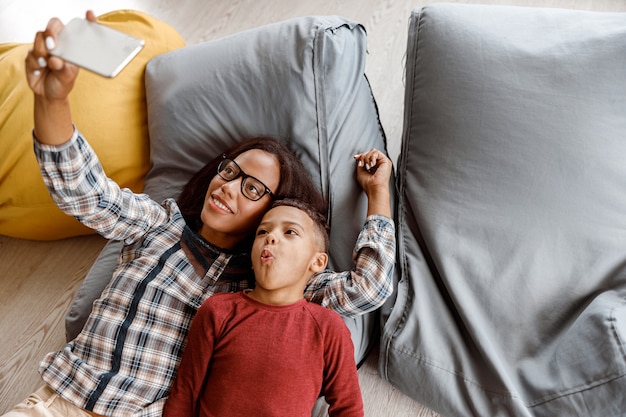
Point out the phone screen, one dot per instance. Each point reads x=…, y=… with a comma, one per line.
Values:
x=96, y=47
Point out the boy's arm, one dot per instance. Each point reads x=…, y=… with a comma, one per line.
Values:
x=341, y=381
x=194, y=366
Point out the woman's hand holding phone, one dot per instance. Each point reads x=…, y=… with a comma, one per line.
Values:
x=95, y=47
x=51, y=79
x=49, y=76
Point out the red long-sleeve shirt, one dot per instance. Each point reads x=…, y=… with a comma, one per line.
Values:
x=245, y=358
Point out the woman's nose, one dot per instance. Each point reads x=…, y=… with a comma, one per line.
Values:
x=231, y=188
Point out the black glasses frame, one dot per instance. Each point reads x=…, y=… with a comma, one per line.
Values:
x=245, y=179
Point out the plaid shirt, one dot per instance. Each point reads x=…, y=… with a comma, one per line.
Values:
x=124, y=361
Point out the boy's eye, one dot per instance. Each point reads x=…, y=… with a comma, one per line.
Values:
x=291, y=232
x=261, y=232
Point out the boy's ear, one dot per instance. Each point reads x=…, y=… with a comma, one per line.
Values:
x=320, y=260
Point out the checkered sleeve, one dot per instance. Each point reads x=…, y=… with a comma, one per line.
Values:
x=155, y=409
x=78, y=185
x=370, y=283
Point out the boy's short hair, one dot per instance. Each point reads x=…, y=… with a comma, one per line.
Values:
x=322, y=229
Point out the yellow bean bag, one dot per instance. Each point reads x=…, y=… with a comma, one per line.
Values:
x=110, y=112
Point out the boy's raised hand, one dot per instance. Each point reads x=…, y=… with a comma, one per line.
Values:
x=373, y=174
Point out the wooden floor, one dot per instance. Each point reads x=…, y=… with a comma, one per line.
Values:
x=38, y=279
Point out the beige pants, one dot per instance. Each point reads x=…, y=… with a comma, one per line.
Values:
x=46, y=403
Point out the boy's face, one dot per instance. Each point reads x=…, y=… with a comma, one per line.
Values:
x=286, y=253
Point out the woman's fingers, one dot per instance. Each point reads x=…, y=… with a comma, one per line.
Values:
x=47, y=75
x=39, y=55
x=50, y=37
x=370, y=159
x=40, y=58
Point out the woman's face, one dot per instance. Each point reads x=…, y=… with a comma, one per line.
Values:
x=227, y=215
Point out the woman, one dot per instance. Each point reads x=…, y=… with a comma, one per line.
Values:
x=175, y=255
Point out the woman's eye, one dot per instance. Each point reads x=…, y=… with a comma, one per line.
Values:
x=226, y=173
x=253, y=190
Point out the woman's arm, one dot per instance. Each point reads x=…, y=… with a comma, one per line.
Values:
x=370, y=283
x=80, y=188
x=69, y=166
x=373, y=175
x=51, y=80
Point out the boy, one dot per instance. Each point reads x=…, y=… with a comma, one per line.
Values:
x=267, y=351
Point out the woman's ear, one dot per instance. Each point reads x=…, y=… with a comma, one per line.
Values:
x=320, y=260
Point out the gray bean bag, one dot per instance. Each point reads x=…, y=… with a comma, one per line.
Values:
x=512, y=214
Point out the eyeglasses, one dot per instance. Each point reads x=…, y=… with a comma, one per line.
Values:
x=252, y=188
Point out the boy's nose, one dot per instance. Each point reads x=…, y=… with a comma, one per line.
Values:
x=270, y=239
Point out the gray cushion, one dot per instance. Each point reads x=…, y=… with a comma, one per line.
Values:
x=512, y=220
x=300, y=80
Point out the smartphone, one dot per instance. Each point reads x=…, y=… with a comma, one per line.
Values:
x=96, y=47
